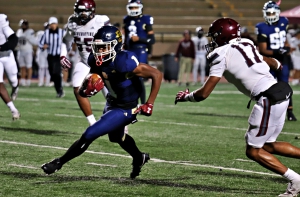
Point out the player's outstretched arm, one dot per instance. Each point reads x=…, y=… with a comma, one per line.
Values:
x=199, y=94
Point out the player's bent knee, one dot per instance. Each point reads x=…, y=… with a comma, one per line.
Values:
x=251, y=153
x=115, y=138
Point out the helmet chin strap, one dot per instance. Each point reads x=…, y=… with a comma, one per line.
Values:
x=99, y=61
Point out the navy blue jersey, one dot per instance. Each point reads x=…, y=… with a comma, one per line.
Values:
x=136, y=26
x=274, y=35
x=117, y=76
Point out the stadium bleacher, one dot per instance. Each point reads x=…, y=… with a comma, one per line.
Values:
x=171, y=17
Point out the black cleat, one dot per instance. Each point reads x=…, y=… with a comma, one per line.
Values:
x=137, y=165
x=291, y=116
x=52, y=166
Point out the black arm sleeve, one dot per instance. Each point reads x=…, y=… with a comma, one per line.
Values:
x=149, y=40
x=261, y=38
x=11, y=43
x=150, y=37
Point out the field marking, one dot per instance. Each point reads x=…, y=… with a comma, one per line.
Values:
x=22, y=166
x=244, y=160
x=99, y=164
x=171, y=123
x=152, y=159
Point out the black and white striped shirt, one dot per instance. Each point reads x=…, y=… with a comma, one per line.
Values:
x=53, y=38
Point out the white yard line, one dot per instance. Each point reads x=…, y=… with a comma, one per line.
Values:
x=172, y=123
x=152, y=159
x=22, y=166
x=99, y=164
x=244, y=160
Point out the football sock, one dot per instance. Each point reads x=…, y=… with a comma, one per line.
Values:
x=129, y=146
x=75, y=150
x=91, y=119
x=11, y=106
x=289, y=111
x=291, y=175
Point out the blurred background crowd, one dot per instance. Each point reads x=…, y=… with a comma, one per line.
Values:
x=175, y=22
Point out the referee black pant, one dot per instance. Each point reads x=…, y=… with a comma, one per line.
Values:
x=55, y=72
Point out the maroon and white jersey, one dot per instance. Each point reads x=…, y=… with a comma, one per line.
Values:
x=242, y=65
x=83, y=34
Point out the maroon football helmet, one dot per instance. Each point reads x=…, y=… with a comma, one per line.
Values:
x=84, y=10
x=221, y=32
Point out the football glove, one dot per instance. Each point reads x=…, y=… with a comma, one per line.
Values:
x=182, y=96
x=65, y=63
x=145, y=109
x=91, y=86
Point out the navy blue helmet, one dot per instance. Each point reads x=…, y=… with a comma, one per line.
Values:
x=106, y=44
x=271, y=11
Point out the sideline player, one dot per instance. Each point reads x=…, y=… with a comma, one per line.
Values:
x=200, y=57
x=25, y=51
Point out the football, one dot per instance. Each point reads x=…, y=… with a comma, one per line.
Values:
x=93, y=77
x=91, y=85
x=96, y=81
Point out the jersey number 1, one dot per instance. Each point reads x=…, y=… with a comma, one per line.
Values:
x=248, y=52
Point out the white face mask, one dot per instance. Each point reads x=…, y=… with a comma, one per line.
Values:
x=134, y=12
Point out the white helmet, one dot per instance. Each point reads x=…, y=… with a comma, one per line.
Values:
x=269, y=8
x=134, y=3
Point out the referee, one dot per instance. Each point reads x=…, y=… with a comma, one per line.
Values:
x=52, y=40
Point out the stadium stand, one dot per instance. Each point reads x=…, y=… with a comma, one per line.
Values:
x=171, y=17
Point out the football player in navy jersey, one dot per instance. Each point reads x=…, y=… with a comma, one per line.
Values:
x=120, y=72
x=272, y=42
x=139, y=34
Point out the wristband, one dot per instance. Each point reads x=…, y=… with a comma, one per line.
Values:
x=190, y=97
x=278, y=63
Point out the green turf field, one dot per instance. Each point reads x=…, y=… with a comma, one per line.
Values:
x=196, y=149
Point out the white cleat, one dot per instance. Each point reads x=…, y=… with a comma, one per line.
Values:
x=293, y=189
x=16, y=115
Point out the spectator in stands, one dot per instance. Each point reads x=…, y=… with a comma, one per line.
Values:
x=51, y=41
x=200, y=58
x=25, y=51
x=139, y=34
x=186, y=53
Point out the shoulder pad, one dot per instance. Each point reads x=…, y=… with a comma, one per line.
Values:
x=259, y=28
x=284, y=19
x=217, y=55
x=148, y=19
x=3, y=20
x=72, y=22
x=102, y=19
